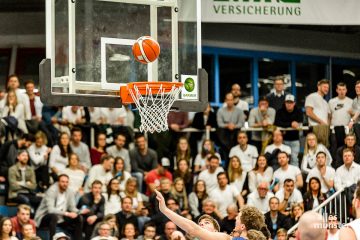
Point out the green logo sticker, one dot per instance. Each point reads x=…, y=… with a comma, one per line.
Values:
x=189, y=84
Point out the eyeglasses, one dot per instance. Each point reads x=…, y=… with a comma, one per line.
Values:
x=105, y=229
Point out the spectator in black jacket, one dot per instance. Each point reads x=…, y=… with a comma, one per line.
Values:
x=313, y=197
x=9, y=151
x=350, y=142
x=274, y=219
x=289, y=115
x=95, y=202
x=126, y=215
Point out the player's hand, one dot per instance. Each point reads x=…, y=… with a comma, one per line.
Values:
x=161, y=200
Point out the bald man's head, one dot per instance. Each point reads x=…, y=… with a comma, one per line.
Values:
x=311, y=227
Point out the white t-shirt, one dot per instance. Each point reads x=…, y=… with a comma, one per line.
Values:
x=355, y=226
x=224, y=198
x=247, y=157
x=112, y=204
x=256, y=178
x=339, y=109
x=320, y=107
x=210, y=179
x=295, y=196
x=284, y=148
x=68, y=114
x=262, y=204
x=333, y=237
x=345, y=177
x=290, y=173
x=241, y=105
x=76, y=178
x=329, y=175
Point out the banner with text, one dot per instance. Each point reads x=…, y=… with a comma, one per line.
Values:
x=318, y=12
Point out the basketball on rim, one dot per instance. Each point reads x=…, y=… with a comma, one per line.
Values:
x=146, y=49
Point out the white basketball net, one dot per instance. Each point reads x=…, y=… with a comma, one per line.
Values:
x=154, y=108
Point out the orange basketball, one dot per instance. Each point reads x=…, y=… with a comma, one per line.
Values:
x=146, y=49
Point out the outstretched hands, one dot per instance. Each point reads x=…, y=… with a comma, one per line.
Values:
x=161, y=200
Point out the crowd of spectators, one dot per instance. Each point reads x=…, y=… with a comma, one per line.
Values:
x=64, y=184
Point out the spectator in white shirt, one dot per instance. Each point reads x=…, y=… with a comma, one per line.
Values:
x=114, y=116
x=261, y=173
x=225, y=194
x=238, y=177
x=73, y=115
x=241, y=104
x=245, y=152
x=317, y=109
x=209, y=175
x=81, y=149
x=288, y=196
x=260, y=198
x=76, y=175
x=287, y=171
x=324, y=173
x=349, y=173
x=101, y=172
x=59, y=156
x=15, y=108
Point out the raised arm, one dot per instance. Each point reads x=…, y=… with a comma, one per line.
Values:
x=187, y=225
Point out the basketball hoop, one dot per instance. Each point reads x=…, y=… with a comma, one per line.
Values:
x=153, y=100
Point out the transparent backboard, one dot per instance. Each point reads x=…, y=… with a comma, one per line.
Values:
x=89, y=46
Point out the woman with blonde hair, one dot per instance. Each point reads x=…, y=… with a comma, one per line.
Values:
x=14, y=108
x=297, y=210
x=179, y=193
x=237, y=177
x=262, y=172
x=312, y=147
x=182, y=152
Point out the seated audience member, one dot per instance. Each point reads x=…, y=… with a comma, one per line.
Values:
x=297, y=210
x=59, y=156
x=241, y=104
x=261, y=173
x=209, y=207
x=350, y=143
x=73, y=115
x=261, y=117
x=130, y=190
x=14, y=107
x=183, y=171
x=287, y=171
x=165, y=189
x=112, y=197
x=281, y=234
x=287, y=196
x=182, y=152
x=245, y=152
x=229, y=119
x=160, y=219
x=97, y=152
x=312, y=147
x=110, y=219
x=22, y=182
x=209, y=176
x=324, y=173
x=313, y=197
x=149, y=232
x=39, y=156
x=119, y=150
x=8, y=153
x=101, y=172
x=290, y=116
x=104, y=232
x=178, y=121
x=202, y=120
x=76, y=175
x=94, y=202
x=196, y=197
x=274, y=219
x=348, y=173
x=143, y=159
x=120, y=173
x=153, y=177
x=169, y=228
x=129, y=232
x=228, y=223
x=237, y=177
x=81, y=149
x=126, y=215
x=260, y=198
x=28, y=232
x=272, y=150
x=21, y=219
x=202, y=159
x=33, y=103
x=6, y=228
x=58, y=209
x=179, y=193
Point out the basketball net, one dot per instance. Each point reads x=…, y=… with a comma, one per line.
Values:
x=154, y=108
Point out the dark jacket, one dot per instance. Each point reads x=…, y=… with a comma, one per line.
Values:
x=309, y=200
x=87, y=200
x=338, y=161
x=123, y=218
x=274, y=101
x=281, y=222
x=284, y=119
x=8, y=155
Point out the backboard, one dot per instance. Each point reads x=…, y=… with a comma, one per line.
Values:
x=89, y=56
